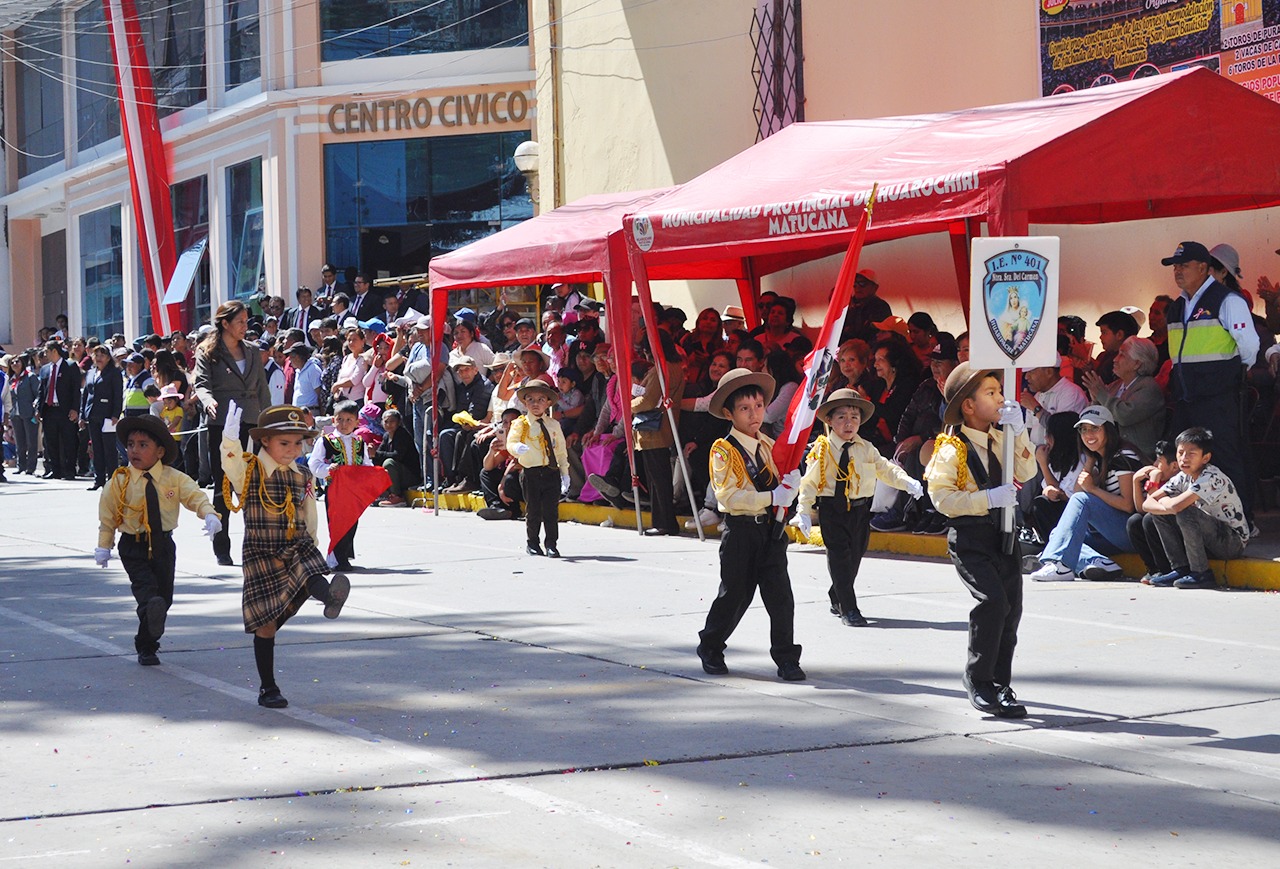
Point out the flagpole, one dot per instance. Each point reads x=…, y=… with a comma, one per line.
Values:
x=1009, y=536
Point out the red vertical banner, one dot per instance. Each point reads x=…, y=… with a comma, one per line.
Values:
x=148, y=164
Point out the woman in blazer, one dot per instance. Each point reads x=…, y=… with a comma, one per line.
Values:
x=228, y=369
x=1134, y=398
x=102, y=401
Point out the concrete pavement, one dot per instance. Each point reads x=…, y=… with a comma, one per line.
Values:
x=474, y=706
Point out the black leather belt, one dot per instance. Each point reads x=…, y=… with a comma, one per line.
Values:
x=832, y=501
x=142, y=538
x=757, y=519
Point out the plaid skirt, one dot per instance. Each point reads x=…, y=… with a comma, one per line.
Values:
x=276, y=569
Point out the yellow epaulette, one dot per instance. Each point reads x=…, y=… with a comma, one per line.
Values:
x=818, y=455
x=947, y=439
x=275, y=508
x=120, y=479
x=733, y=461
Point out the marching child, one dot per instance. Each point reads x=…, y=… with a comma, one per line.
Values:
x=838, y=485
x=753, y=548
x=344, y=447
x=282, y=566
x=141, y=501
x=964, y=482
x=536, y=441
x=1198, y=514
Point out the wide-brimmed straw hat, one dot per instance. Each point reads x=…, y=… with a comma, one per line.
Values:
x=734, y=380
x=845, y=398
x=282, y=419
x=961, y=383
x=535, y=384
x=153, y=427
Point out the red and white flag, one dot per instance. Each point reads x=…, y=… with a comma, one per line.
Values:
x=148, y=165
x=789, y=448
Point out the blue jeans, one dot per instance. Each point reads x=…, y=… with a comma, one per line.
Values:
x=1089, y=527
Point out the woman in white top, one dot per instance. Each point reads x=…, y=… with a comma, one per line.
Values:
x=350, y=382
x=465, y=343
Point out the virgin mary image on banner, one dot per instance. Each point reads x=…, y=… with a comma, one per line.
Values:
x=1014, y=296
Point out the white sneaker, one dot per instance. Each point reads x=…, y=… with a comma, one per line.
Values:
x=607, y=523
x=1102, y=568
x=1054, y=571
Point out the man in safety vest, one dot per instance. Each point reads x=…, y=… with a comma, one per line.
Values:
x=1212, y=342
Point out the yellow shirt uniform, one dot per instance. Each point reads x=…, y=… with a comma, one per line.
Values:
x=866, y=465
x=234, y=467
x=525, y=430
x=123, y=505
x=952, y=487
x=736, y=494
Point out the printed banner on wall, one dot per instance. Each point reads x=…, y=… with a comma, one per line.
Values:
x=1088, y=43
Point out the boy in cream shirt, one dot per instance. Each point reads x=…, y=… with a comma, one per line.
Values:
x=536, y=441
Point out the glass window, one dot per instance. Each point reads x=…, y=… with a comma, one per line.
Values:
x=38, y=80
x=97, y=105
x=244, y=230
x=244, y=42
x=389, y=28
x=173, y=31
x=190, y=200
x=102, y=272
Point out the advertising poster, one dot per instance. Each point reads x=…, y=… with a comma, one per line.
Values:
x=1089, y=43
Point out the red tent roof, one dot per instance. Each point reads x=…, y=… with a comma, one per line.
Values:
x=568, y=244
x=1186, y=143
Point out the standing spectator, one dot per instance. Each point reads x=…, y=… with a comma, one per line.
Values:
x=308, y=391
x=707, y=336
x=922, y=332
x=352, y=369
x=778, y=331
x=24, y=386
x=272, y=370
x=1133, y=397
x=59, y=411
x=228, y=369
x=1159, y=328
x=329, y=285
x=101, y=404
x=1212, y=341
x=304, y=314
x=653, y=447
x=137, y=379
x=364, y=304
x=466, y=342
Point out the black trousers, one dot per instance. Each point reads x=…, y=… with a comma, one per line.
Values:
x=662, y=496
x=222, y=540
x=995, y=581
x=846, y=534
x=150, y=575
x=1223, y=415
x=752, y=556
x=105, y=456
x=1145, y=538
x=345, y=549
x=541, y=503
x=61, y=440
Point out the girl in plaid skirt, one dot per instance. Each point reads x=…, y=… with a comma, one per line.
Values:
x=282, y=565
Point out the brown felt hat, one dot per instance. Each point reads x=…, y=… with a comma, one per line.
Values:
x=961, y=383
x=154, y=428
x=845, y=398
x=535, y=384
x=282, y=419
x=735, y=380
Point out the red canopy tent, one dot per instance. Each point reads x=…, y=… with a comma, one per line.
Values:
x=1171, y=145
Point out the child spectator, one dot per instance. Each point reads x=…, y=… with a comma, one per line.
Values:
x=399, y=457
x=171, y=408
x=570, y=404
x=1198, y=514
x=838, y=484
x=133, y=504
x=964, y=477
x=341, y=448
x=371, y=430
x=500, y=473
x=753, y=548
x=536, y=441
x=282, y=566
x=1142, y=530
x=152, y=394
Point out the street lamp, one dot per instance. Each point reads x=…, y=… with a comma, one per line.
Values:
x=527, y=160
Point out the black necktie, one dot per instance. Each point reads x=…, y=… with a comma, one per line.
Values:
x=546, y=441
x=154, y=522
x=995, y=474
x=842, y=474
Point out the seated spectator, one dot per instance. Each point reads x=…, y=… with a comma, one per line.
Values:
x=898, y=367
x=471, y=394
x=1093, y=524
x=569, y=407
x=778, y=331
x=1198, y=514
x=399, y=456
x=500, y=474
x=1060, y=466
x=750, y=355
x=1143, y=533
x=782, y=368
x=921, y=421
x=922, y=332
x=1134, y=398
x=853, y=363
x=707, y=336
x=466, y=342
x=1114, y=328
x=370, y=429
x=1047, y=393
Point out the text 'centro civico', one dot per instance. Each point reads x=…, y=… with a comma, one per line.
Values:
x=454, y=110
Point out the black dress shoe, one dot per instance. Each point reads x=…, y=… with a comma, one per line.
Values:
x=712, y=665
x=659, y=532
x=1007, y=705
x=853, y=619
x=982, y=695
x=150, y=659
x=552, y=552
x=834, y=610
x=46, y=475
x=95, y=487
x=791, y=672
x=271, y=698
x=533, y=549
x=225, y=560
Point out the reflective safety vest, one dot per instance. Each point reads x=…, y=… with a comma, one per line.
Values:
x=1206, y=360
x=134, y=401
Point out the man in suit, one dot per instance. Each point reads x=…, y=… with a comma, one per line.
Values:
x=300, y=317
x=59, y=410
x=365, y=304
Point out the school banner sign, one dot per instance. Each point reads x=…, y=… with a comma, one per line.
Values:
x=1087, y=43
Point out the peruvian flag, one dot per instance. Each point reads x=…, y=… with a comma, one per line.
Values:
x=789, y=448
x=148, y=166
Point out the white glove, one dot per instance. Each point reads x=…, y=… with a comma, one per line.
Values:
x=212, y=525
x=1011, y=415
x=519, y=449
x=231, y=422
x=792, y=479
x=101, y=556
x=784, y=495
x=564, y=484
x=805, y=523
x=702, y=405
x=1002, y=496
x=636, y=390
x=915, y=488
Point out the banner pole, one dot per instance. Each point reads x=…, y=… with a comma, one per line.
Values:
x=1007, y=523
